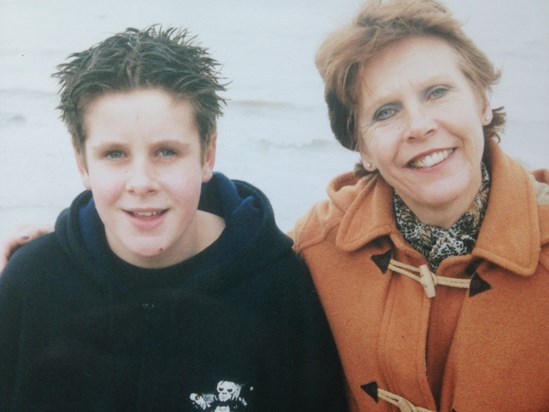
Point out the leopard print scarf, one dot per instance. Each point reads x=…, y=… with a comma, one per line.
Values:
x=436, y=243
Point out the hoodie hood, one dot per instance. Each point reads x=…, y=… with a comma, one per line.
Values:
x=249, y=241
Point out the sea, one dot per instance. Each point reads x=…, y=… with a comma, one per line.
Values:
x=274, y=133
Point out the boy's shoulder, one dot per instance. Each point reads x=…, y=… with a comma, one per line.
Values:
x=37, y=248
x=36, y=258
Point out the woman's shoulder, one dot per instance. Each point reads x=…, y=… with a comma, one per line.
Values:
x=541, y=187
x=322, y=216
x=540, y=183
x=326, y=216
x=540, y=180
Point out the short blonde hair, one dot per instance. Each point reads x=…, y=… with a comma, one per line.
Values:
x=379, y=25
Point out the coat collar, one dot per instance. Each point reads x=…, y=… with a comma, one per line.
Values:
x=509, y=235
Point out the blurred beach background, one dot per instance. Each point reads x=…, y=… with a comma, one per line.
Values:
x=275, y=132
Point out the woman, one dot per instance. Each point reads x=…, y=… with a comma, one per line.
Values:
x=432, y=258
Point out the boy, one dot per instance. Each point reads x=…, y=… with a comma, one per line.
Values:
x=164, y=286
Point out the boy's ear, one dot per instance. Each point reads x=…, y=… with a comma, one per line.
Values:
x=209, y=159
x=82, y=168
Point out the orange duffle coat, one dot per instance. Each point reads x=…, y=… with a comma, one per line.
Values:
x=481, y=343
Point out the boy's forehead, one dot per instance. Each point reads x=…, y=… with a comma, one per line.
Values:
x=140, y=112
x=120, y=97
x=117, y=103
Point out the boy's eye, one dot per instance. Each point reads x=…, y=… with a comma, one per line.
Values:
x=385, y=112
x=166, y=153
x=114, y=154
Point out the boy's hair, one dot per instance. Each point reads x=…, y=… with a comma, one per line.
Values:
x=379, y=25
x=140, y=59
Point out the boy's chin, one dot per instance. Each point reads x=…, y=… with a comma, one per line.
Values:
x=147, y=256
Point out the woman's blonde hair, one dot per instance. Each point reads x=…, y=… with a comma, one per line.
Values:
x=379, y=25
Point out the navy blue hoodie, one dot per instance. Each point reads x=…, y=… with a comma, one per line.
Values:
x=238, y=327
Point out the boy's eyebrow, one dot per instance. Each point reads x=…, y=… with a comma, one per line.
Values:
x=110, y=145
x=178, y=145
x=171, y=142
x=107, y=145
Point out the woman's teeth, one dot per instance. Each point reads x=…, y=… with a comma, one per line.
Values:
x=432, y=159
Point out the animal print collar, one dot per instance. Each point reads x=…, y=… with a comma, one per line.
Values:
x=436, y=243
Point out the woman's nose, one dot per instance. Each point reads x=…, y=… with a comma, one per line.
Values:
x=420, y=122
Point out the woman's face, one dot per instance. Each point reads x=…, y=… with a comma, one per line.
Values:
x=421, y=127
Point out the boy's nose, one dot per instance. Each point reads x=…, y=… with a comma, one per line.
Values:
x=140, y=179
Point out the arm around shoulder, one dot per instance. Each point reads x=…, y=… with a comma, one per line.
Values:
x=18, y=238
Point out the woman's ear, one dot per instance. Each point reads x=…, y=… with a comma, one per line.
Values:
x=209, y=159
x=365, y=158
x=368, y=165
x=486, y=115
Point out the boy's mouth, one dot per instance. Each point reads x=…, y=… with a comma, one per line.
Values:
x=146, y=213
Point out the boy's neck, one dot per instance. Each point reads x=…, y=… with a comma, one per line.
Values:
x=205, y=230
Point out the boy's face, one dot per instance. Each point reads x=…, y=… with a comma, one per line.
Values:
x=145, y=168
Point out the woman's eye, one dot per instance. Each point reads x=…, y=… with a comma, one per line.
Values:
x=384, y=113
x=437, y=92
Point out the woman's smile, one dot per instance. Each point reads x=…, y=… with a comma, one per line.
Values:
x=430, y=160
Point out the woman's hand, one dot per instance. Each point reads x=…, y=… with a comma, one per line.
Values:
x=18, y=238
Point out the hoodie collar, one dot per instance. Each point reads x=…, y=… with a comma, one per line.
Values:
x=250, y=240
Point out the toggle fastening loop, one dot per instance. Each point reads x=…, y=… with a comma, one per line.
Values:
x=427, y=278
